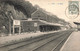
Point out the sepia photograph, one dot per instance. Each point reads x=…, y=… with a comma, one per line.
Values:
x=39, y=25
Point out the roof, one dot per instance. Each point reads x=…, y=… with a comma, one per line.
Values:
x=37, y=11
x=48, y=23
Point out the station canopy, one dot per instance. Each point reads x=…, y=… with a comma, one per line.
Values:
x=77, y=23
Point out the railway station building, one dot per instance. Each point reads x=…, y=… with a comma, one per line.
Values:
x=39, y=21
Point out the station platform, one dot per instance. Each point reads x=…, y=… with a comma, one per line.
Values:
x=72, y=43
x=19, y=37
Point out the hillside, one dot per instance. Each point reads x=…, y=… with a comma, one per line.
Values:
x=19, y=9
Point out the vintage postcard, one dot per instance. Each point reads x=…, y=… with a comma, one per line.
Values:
x=39, y=25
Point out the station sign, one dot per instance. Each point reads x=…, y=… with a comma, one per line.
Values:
x=35, y=24
x=16, y=22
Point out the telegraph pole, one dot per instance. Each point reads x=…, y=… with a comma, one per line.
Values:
x=8, y=14
x=9, y=22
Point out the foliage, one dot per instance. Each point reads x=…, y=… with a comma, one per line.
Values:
x=22, y=5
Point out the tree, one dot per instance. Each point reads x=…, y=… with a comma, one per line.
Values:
x=25, y=6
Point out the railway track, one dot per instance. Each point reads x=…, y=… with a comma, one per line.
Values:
x=52, y=45
x=47, y=42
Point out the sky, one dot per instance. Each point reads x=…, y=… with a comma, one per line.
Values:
x=56, y=7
